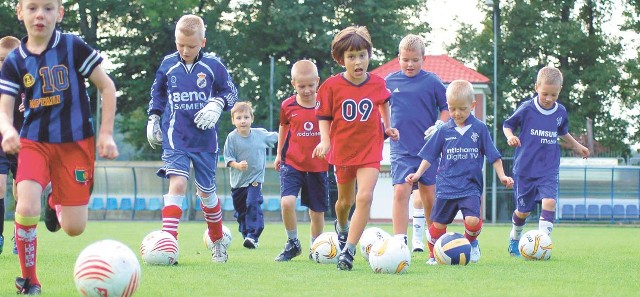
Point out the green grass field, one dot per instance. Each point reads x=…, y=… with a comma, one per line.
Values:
x=586, y=261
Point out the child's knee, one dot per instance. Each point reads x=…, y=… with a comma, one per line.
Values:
x=471, y=221
x=288, y=203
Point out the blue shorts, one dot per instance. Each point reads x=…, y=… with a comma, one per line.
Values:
x=403, y=165
x=177, y=162
x=445, y=210
x=8, y=163
x=312, y=186
x=530, y=190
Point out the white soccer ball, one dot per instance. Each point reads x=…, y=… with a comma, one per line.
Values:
x=535, y=245
x=107, y=268
x=324, y=249
x=390, y=255
x=159, y=248
x=368, y=238
x=226, y=237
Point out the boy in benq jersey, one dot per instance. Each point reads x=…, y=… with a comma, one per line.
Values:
x=537, y=159
x=298, y=135
x=56, y=142
x=351, y=105
x=461, y=144
x=244, y=154
x=190, y=91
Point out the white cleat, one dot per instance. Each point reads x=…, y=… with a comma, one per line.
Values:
x=475, y=252
x=432, y=261
x=219, y=252
x=417, y=246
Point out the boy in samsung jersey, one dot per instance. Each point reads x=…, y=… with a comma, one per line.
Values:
x=8, y=163
x=418, y=102
x=190, y=91
x=353, y=106
x=56, y=142
x=299, y=172
x=541, y=121
x=461, y=144
x=245, y=154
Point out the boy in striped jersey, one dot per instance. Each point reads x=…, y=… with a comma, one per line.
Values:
x=190, y=91
x=56, y=142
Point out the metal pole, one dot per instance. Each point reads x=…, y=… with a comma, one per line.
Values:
x=271, y=70
x=494, y=190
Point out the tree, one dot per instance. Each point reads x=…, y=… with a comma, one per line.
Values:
x=567, y=34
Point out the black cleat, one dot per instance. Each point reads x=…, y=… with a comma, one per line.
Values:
x=291, y=250
x=342, y=236
x=345, y=260
x=25, y=287
x=50, y=216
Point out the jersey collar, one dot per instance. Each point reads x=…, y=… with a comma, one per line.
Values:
x=53, y=42
x=542, y=110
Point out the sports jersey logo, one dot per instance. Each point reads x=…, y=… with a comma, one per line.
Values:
x=174, y=82
x=201, y=82
x=396, y=90
x=28, y=80
x=559, y=121
x=474, y=137
x=308, y=126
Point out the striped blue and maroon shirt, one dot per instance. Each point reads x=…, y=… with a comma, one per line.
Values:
x=57, y=106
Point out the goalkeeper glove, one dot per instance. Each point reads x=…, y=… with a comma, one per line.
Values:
x=208, y=116
x=154, y=134
x=429, y=132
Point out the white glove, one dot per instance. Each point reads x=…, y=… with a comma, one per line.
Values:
x=208, y=116
x=154, y=133
x=429, y=132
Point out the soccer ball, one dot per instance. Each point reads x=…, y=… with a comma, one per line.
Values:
x=452, y=249
x=324, y=249
x=535, y=245
x=107, y=268
x=159, y=248
x=390, y=255
x=226, y=237
x=368, y=238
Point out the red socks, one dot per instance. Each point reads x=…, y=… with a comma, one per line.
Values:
x=170, y=219
x=213, y=217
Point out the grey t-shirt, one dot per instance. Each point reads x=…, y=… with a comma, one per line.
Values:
x=251, y=149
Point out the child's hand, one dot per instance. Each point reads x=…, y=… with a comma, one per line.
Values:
x=393, y=133
x=513, y=141
x=10, y=141
x=242, y=165
x=107, y=146
x=321, y=150
x=411, y=178
x=277, y=162
x=582, y=151
x=507, y=181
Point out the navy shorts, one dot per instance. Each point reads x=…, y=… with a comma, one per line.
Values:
x=312, y=186
x=177, y=162
x=403, y=165
x=530, y=190
x=8, y=163
x=445, y=210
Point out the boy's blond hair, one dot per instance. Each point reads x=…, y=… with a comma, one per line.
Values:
x=190, y=24
x=549, y=75
x=242, y=106
x=59, y=2
x=352, y=38
x=9, y=42
x=303, y=68
x=460, y=89
x=412, y=42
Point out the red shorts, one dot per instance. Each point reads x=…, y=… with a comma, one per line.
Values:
x=345, y=174
x=69, y=167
